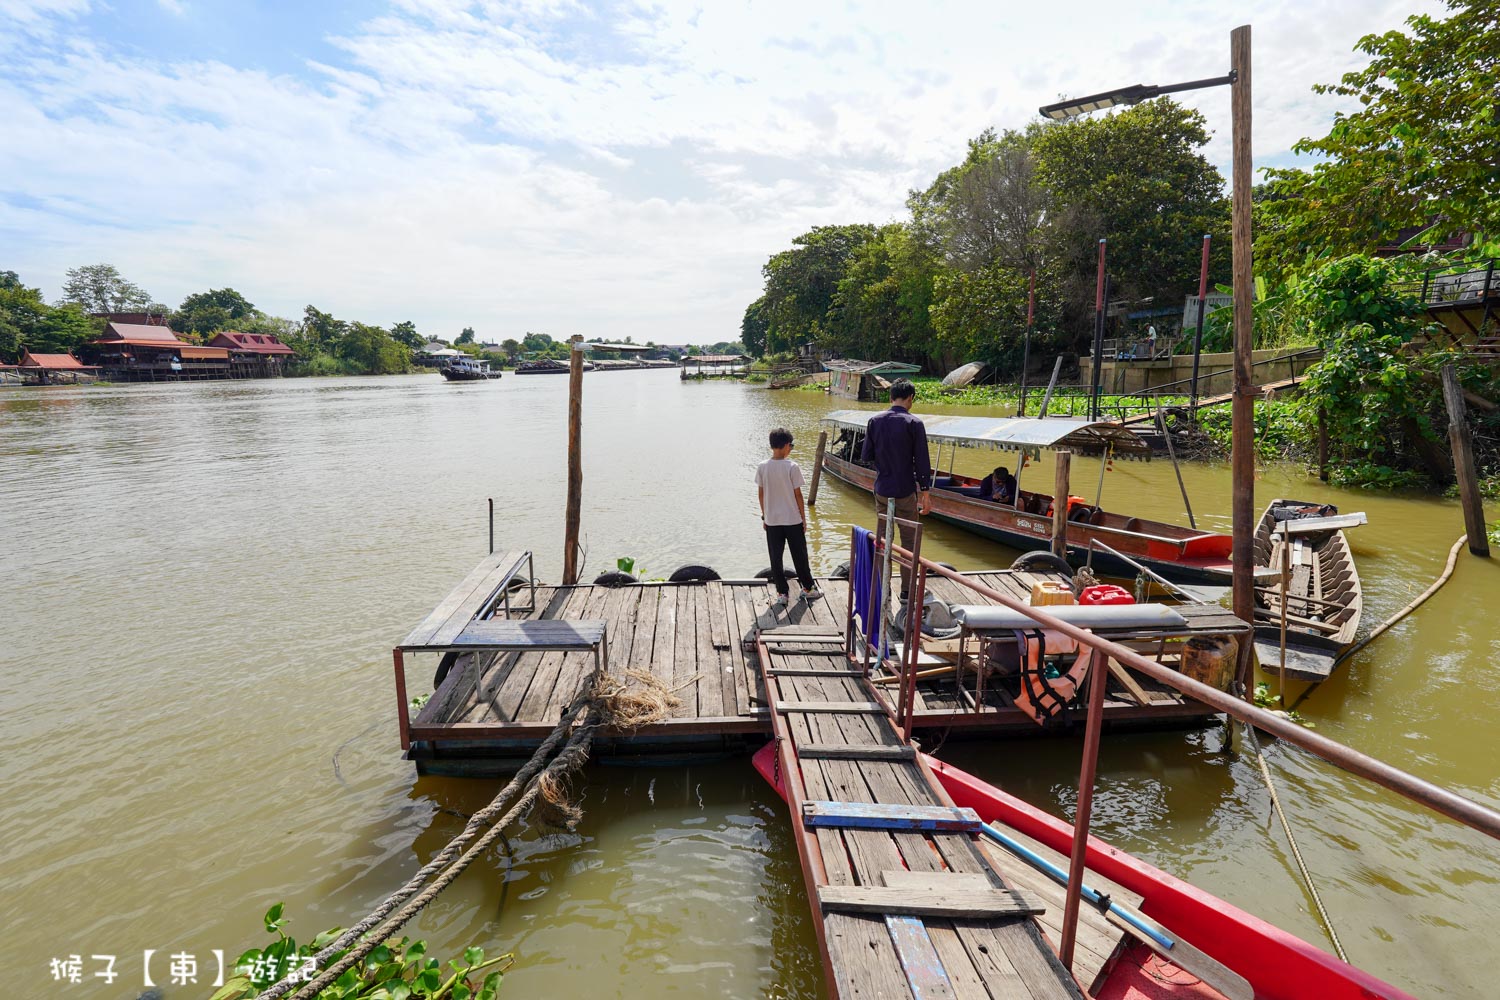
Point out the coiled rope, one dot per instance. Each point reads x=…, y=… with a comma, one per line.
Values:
x=605, y=701
x=1286, y=826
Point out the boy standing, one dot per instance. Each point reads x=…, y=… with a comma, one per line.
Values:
x=784, y=517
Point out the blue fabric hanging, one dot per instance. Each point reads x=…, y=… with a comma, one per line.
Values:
x=863, y=577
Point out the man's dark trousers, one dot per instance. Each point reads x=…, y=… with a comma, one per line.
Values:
x=780, y=537
x=906, y=510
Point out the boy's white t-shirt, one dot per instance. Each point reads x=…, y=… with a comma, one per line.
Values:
x=780, y=478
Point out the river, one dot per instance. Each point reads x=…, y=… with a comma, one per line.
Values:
x=202, y=584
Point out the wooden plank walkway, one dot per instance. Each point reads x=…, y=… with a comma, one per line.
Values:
x=904, y=907
x=700, y=640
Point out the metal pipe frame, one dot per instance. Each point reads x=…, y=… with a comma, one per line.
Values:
x=1440, y=800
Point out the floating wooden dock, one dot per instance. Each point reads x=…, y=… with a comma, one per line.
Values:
x=492, y=707
x=905, y=904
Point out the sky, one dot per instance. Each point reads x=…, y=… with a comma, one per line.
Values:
x=611, y=169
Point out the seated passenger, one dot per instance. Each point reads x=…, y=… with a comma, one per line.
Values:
x=999, y=486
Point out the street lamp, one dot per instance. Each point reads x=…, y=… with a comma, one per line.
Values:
x=1243, y=412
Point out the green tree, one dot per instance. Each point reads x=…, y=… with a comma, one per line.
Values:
x=466, y=337
x=537, y=343
x=21, y=311
x=370, y=350
x=62, y=330
x=1418, y=151
x=881, y=308
x=206, y=313
x=801, y=282
x=511, y=346
x=321, y=330
x=100, y=288
x=405, y=332
x=754, y=326
x=1138, y=179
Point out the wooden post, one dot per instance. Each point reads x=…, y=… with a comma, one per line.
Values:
x=1286, y=580
x=1463, y=463
x=1060, y=503
x=1052, y=384
x=1242, y=416
x=812, y=491
x=575, y=462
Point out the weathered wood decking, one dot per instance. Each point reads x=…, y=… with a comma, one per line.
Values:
x=699, y=640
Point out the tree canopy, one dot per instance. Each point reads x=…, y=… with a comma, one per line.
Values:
x=204, y=314
x=100, y=288
x=1418, y=152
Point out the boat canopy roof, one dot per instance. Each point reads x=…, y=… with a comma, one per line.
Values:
x=1025, y=434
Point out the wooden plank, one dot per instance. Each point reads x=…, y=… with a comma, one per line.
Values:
x=889, y=816
x=458, y=597
x=919, y=959
x=864, y=960
x=684, y=680
x=485, y=588
x=959, y=903
x=904, y=878
x=846, y=751
x=746, y=663
x=528, y=690
x=813, y=707
x=710, y=674
x=727, y=659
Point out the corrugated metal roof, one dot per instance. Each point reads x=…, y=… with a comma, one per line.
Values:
x=52, y=362
x=871, y=367
x=1026, y=434
x=138, y=333
x=252, y=343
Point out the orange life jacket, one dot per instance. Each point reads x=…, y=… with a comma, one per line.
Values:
x=1044, y=698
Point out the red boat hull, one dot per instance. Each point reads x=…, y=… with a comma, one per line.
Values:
x=1278, y=965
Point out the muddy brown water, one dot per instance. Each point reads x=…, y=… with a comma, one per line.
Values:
x=202, y=584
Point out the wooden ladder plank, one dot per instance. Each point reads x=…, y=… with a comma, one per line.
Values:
x=954, y=903
x=919, y=959
x=826, y=707
x=851, y=751
x=812, y=672
x=888, y=816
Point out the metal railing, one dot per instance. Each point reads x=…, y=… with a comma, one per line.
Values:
x=1454, y=284
x=1408, y=786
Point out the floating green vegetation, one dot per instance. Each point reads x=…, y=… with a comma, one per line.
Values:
x=394, y=971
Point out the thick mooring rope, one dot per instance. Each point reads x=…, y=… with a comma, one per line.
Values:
x=1286, y=826
x=607, y=701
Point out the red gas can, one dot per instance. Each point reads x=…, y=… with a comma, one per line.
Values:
x=1105, y=593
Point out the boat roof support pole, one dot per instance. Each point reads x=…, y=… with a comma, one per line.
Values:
x=1052, y=384
x=1161, y=419
x=1104, y=458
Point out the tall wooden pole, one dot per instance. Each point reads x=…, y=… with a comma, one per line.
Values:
x=1242, y=416
x=812, y=492
x=1026, y=348
x=1463, y=463
x=575, y=462
x=1198, y=334
x=1098, y=337
x=1060, y=488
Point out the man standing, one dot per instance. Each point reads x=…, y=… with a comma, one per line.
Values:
x=896, y=444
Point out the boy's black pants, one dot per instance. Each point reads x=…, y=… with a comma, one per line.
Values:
x=778, y=538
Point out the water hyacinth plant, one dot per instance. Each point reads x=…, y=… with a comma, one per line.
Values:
x=399, y=970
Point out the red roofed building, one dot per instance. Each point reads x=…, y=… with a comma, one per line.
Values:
x=55, y=369
x=136, y=352
x=254, y=355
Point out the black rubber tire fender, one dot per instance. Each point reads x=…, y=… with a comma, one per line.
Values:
x=614, y=578
x=840, y=572
x=1041, y=559
x=693, y=573
x=764, y=574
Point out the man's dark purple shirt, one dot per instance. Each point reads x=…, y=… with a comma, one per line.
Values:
x=896, y=442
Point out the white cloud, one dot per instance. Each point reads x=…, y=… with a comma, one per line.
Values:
x=549, y=165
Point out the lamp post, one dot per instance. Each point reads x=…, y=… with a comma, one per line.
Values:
x=1243, y=407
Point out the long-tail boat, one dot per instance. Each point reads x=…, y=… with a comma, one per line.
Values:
x=1323, y=595
x=1025, y=523
x=1233, y=954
